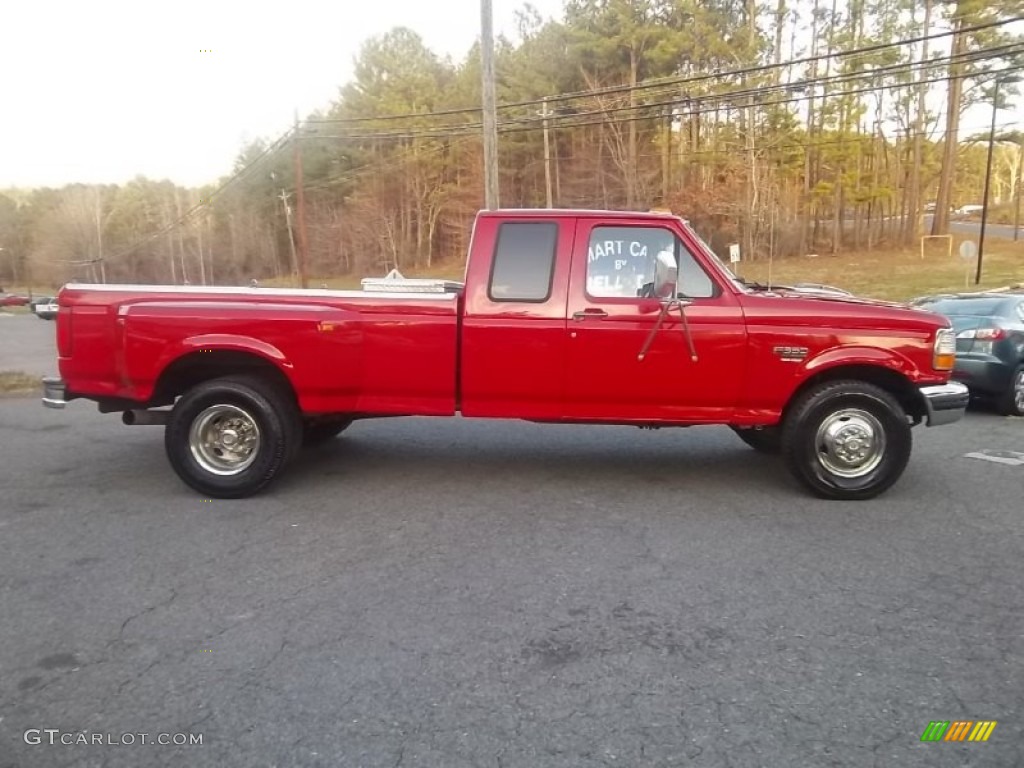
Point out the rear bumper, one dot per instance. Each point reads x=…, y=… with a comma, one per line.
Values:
x=54, y=392
x=945, y=403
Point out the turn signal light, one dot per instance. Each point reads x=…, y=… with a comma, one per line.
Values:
x=944, y=352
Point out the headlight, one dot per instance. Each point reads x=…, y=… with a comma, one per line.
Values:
x=944, y=351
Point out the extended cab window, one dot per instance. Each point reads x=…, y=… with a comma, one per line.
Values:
x=620, y=263
x=524, y=261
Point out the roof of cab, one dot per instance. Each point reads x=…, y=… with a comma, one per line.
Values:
x=554, y=213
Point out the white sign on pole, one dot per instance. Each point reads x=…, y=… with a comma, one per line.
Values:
x=969, y=254
x=734, y=253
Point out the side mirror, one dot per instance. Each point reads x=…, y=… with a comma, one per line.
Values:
x=666, y=275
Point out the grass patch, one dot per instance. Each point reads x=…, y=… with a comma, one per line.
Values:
x=899, y=274
x=18, y=383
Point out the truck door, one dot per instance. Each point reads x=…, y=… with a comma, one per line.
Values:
x=611, y=317
x=512, y=360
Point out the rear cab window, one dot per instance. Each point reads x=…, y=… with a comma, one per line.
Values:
x=524, y=262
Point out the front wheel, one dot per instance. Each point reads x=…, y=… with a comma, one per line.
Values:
x=229, y=437
x=846, y=440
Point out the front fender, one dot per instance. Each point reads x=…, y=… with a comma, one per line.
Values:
x=858, y=355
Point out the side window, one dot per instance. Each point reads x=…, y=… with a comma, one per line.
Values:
x=1020, y=311
x=620, y=263
x=524, y=261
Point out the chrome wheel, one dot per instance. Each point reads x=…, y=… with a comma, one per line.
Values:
x=1018, y=391
x=224, y=439
x=850, y=443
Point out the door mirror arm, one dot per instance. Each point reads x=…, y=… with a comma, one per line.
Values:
x=669, y=305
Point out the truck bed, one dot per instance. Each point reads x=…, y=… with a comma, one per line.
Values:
x=343, y=351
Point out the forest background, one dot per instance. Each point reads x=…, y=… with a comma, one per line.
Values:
x=816, y=126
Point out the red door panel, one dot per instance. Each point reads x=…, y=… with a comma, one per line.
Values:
x=512, y=361
x=606, y=380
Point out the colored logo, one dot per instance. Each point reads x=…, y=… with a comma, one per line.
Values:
x=958, y=730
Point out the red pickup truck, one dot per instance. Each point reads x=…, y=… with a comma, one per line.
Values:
x=564, y=316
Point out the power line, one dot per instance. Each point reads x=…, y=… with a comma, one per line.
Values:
x=394, y=162
x=905, y=67
x=277, y=144
x=572, y=121
x=675, y=80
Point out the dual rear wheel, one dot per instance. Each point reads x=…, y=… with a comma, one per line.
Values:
x=229, y=437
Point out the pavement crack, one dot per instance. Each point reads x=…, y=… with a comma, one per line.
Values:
x=138, y=676
x=188, y=728
x=144, y=611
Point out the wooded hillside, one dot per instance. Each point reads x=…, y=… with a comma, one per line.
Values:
x=765, y=123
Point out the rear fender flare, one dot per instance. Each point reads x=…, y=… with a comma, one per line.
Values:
x=220, y=342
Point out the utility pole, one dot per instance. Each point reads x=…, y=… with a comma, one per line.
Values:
x=1020, y=174
x=666, y=158
x=209, y=232
x=988, y=178
x=199, y=238
x=181, y=238
x=752, y=201
x=912, y=225
x=490, y=120
x=547, y=154
x=99, y=238
x=291, y=230
x=300, y=205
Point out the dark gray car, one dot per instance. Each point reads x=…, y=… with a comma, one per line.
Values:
x=989, y=344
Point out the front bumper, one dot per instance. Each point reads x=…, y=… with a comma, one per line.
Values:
x=54, y=392
x=945, y=403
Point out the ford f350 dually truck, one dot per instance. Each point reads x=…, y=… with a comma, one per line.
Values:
x=563, y=316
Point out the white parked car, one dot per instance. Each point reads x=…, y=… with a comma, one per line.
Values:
x=47, y=310
x=967, y=210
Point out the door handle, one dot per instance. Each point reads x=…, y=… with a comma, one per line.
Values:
x=592, y=313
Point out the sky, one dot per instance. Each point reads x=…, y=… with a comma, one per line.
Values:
x=99, y=91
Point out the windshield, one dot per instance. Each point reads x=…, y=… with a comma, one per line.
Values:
x=740, y=285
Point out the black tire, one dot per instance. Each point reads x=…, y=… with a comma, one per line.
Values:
x=317, y=432
x=1011, y=402
x=847, y=410
x=248, y=405
x=763, y=440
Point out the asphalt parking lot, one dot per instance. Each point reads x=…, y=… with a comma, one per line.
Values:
x=455, y=593
x=27, y=343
